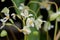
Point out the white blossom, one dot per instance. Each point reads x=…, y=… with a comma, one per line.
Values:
x=58, y=19
x=38, y=23
x=3, y=21
x=30, y=22
x=48, y=26
x=5, y=10
x=21, y=7
x=53, y=16
x=58, y=12
x=25, y=13
x=13, y=15
x=26, y=30
x=3, y=24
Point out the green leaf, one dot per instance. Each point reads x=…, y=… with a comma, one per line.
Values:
x=11, y=20
x=34, y=6
x=43, y=35
x=46, y=25
x=3, y=33
x=17, y=4
x=34, y=35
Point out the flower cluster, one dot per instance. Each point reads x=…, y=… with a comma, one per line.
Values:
x=30, y=20
x=6, y=18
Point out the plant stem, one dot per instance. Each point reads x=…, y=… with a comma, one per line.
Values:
x=54, y=4
x=55, y=29
x=33, y=13
x=33, y=2
x=58, y=35
x=56, y=23
x=15, y=25
x=47, y=35
x=17, y=28
x=25, y=38
x=23, y=21
x=7, y=37
x=14, y=4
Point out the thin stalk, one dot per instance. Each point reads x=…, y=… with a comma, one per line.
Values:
x=23, y=21
x=56, y=23
x=38, y=10
x=33, y=2
x=17, y=28
x=47, y=35
x=7, y=37
x=14, y=4
x=19, y=17
x=25, y=37
x=54, y=4
x=12, y=7
x=58, y=35
x=33, y=13
x=15, y=25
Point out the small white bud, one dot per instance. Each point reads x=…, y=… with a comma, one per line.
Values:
x=13, y=15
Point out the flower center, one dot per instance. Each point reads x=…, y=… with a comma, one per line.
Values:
x=31, y=21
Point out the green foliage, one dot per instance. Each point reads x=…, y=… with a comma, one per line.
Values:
x=34, y=34
x=3, y=33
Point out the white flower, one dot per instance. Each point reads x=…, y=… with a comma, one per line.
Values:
x=26, y=30
x=3, y=24
x=3, y=21
x=13, y=15
x=25, y=13
x=51, y=26
x=38, y=23
x=21, y=7
x=58, y=12
x=30, y=22
x=48, y=26
x=53, y=16
x=5, y=11
x=58, y=19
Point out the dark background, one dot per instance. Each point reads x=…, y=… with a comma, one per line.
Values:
x=12, y=32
